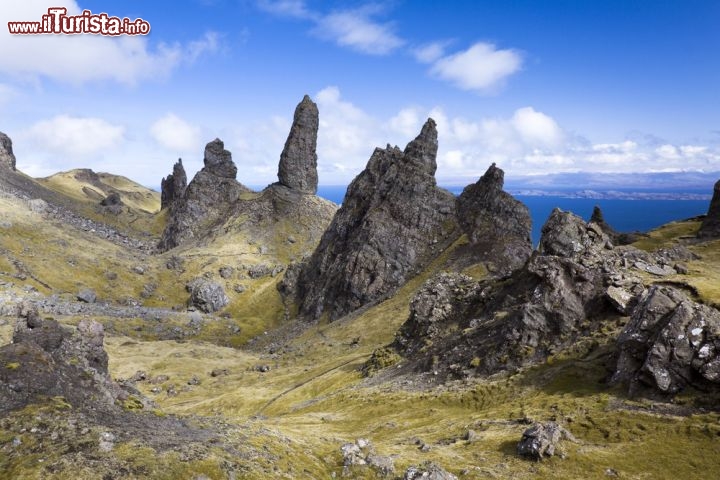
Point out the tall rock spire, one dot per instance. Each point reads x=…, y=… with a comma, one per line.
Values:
x=173, y=186
x=298, y=160
x=7, y=158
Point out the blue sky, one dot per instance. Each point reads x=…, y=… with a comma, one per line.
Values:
x=538, y=87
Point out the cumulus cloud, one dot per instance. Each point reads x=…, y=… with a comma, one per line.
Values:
x=78, y=59
x=480, y=68
x=75, y=136
x=174, y=133
x=430, y=52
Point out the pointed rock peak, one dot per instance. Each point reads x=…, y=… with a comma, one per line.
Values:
x=494, y=177
x=597, y=215
x=424, y=147
x=173, y=186
x=298, y=160
x=7, y=158
x=218, y=161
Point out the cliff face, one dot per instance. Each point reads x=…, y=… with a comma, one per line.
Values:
x=710, y=227
x=7, y=157
x=393, y=221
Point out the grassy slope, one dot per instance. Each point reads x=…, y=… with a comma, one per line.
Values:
x=313, y=398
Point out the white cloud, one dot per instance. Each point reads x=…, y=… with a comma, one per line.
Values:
x=356, y=30
x=536, y=127
x=74, y=136
x=78, y=59
x=175, y=134
x=289, y=8
x=430, y=52
x=480, y=68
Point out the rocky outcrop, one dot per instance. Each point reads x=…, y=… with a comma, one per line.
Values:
x=542, y=440
x=7, y=157
x=670, y=343
x=49, y=360
x=496, y=223
x=617, y=238
x=208, y=199
x=393, y=221
x=173, y=186
x=298, y=160
x=710, y=227
x=569, y=288
x=428, y=471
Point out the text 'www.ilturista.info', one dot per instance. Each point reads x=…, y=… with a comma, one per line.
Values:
x=58, y=22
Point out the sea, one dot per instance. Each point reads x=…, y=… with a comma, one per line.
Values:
x=624, y=215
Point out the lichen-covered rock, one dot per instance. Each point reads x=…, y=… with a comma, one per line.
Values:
x=542, y=440
x=298, y=160
x=7, y=157
x=495, y=222
x=428, y=471
x=710, y=227
x=393, y=221
x=173, y=186
x=670, y=343
x=206, y=295
x=47, y=360
x=87, y=295
x=567, y=235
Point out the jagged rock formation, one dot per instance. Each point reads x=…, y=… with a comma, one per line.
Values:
x=207, y=200
x=393, y=221
x=496, y=224
x=298, y=160
x=710, y=227
x=47, y=360
x=206, y=295
x=574, y=283
x=7, y=157
x=428, y=471
x=670, y=343
x=173, y=186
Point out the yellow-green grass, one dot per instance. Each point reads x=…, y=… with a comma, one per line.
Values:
x=667, y=235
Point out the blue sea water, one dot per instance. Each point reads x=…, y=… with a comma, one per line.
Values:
x=623, y=215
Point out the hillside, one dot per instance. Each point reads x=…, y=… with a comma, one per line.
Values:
x=216, y=369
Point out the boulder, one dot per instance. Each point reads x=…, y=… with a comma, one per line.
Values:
x=542, y=440
x=428, y=471
x=393, y=221
x=298, y=160
x=670, y=343
x=87, y=295
x=206, y=295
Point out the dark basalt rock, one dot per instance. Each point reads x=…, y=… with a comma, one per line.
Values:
x=542, y=440
x=495, y=222
x=112, y=200
x=173, y=186
x=48, y=360
x=670, y=343
x=208, y=198
x=393, y=221
x=206, y=295
x=298, y=160
x=7, y=157
x=710, y=227
x=617, y=238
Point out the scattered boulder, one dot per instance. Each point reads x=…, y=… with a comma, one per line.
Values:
x=226, y=272
x=670, y=343
x=428, y=471
x=87, y=295
x=361, y=453
x=38, y=205
x=567, y=235
x=710, y=227
x=206, y=295
x=542, y=440
x=113, y=199
x=298, y=160
x=497, y=224
x=359, y=258
x=173, y=186
x=7, y=157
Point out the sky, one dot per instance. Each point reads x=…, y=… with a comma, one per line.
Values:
x=602, y=86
